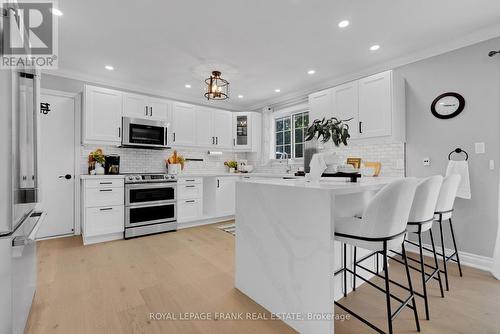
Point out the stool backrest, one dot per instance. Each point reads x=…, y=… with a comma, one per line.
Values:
x=448, y=193
x=387, y=213
x=426, y=197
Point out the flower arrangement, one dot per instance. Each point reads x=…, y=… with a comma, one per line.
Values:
x=96, y=156
x=231, y=164
x=176, y=159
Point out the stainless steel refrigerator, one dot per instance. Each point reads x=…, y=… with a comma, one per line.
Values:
x=19, y=220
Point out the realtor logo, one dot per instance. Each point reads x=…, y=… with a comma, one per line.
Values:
x=29, y=35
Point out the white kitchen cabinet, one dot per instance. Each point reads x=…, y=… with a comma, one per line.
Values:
x=145, y=107
x=102, y=116
x=204, y=127
x=375, y=105
x=345, y=105
x=320, y=105
x=247, y=131
x=223, y=128
x=225, y=196
x=183, y=124
x=189, y=199
x=103, y=211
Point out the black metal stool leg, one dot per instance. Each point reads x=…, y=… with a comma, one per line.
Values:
x=456, y=250
x=444, y=252
x=354, y=267
x=410, y=286
x=422, y=272
x=387, y=291
x=437, y=264
x=345, y=271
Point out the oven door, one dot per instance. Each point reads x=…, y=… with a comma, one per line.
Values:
x=149, y=214
x=144, y=133
x=150, y=193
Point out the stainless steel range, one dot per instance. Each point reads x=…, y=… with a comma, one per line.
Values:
x=150, y=204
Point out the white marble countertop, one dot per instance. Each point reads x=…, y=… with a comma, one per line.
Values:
x=90, y=177
x=337, y=185
x=265, y=175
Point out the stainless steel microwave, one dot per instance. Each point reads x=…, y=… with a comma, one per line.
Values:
x=144, y=133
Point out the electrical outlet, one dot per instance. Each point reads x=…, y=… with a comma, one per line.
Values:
x=427, y=162
x=480, y=148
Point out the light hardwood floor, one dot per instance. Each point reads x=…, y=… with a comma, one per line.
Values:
x=113, y=287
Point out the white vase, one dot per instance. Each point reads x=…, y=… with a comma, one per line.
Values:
x=174, y=168
x=99, y=169
x=232, y=170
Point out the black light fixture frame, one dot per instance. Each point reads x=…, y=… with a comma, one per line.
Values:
x=218, y=81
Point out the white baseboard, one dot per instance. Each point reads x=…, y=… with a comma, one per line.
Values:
x=467, y=259
x=203, y=221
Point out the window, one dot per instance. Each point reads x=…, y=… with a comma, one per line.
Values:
x=290, y=132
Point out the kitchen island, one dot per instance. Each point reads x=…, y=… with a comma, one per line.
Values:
x=285, y=254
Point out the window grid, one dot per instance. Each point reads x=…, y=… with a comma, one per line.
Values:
x=290, y=134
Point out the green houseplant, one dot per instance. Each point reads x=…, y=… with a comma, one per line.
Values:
x=327, y=129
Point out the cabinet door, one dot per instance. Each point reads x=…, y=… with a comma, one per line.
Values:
x=160, y=110
x=204, y=132
x=135, y=106
x=223, y=128
x=345, y=105
x=375, y=101
x=184, y=124
x=320, y=105
x=242, y=131
x=104, y=220
x=225, y=196
x=102, y=116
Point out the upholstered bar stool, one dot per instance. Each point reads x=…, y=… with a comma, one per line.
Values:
x=381, y=228
x=444, y=210
x=420, y=221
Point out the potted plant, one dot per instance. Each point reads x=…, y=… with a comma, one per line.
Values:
x=331, y=129
x=96, y=162
x=231, y=164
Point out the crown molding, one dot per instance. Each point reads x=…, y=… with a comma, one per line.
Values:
x=463, y=41
x=136, y=89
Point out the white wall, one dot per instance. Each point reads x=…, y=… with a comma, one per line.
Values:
x=470, y=72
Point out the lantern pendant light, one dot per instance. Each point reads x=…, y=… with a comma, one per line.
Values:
x=217, y=87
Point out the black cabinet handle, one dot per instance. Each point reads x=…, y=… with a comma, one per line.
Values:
x=105, y=182
x=151, y=110
x=360, y=128
x=191, y=201
x=119, y=132
x=218, y=184
x=190, y=180
x=234, y=141
x=190, y=186
x=173, y=135
x=213, y=140
x=216, y=140
x=106, y=190
x=106, y=209
x=145, y=110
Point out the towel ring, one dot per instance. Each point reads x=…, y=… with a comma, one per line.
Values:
x=458, y=151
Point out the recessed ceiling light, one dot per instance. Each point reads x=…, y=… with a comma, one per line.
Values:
x=343, y=24
x=277, y=90
x=240, y=96
x=311, y=72
x=109, y=67
x=374, y=47
x=56, y=12
x=187, y=85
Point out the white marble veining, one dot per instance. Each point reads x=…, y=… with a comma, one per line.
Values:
x=285, y=255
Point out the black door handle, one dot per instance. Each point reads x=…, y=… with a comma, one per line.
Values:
x=67, y=176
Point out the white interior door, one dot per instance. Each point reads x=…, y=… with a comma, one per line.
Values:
x=57, y=165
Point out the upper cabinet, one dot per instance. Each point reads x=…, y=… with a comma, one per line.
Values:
x=141, y=106
x=375, y=105
x=102, y=116
x=214, y=128
x=223, y=128
x=183, y=124
x=247, y=131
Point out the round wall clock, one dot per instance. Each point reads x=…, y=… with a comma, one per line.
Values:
x=448, y=105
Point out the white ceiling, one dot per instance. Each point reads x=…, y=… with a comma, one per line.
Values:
x=259, y=45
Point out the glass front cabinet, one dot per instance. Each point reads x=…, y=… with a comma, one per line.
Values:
x=242, y=131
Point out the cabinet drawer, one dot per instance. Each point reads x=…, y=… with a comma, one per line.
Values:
x=108, y=183
x=190, y=180
x=189, y=191
x=189, y=209
x=105, y=220
x=103, y=197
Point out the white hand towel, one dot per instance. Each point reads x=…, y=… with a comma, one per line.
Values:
x=318, y=166
x=461, y=168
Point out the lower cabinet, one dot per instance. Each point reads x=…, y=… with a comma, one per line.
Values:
x=189, y=209
x=225, y=196
x=189, y=199
x=102, y=209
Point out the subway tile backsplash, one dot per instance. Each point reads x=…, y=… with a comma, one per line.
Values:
x=133, y=160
